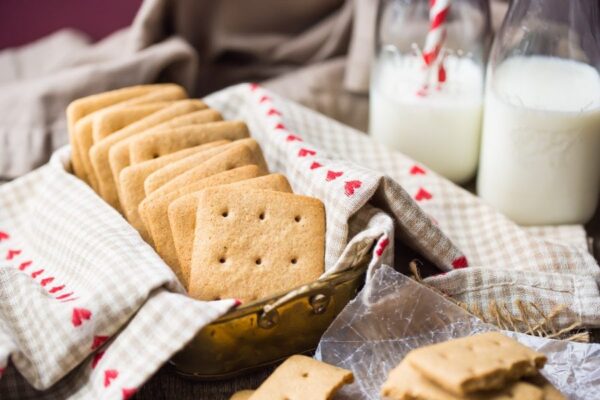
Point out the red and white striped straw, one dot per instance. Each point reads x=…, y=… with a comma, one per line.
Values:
x=438, y=11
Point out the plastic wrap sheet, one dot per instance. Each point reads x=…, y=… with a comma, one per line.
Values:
x=394, y=314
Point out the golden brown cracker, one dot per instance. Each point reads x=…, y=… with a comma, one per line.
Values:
x=250, y=244
x=82, y=107
x=480, y=362
x=157, y=144
x=182, y=210
x=237, y=154
x=154, y=213
x=84, y=127
x=301, y=377
x=111, y=120
x=99, y=152
x=406, y=383
x=119, y=155
x=131, y=182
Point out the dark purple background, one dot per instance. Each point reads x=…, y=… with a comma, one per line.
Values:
x=22, y=21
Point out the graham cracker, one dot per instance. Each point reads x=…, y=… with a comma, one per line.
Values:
x=160, y=143
x=84, y=128
x=82, y=107
x=301, y=377
x=481, y=362
x=154, y=212
x=237, y=154
x=242, y=395
x=250, y=244
x=131, y=182
x=119, y=155
x=406, y=383
x=182, y=209
x=99, y=152
x=110, y=120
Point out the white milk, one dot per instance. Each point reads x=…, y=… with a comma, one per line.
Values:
x=540, y=154
x=440, y=130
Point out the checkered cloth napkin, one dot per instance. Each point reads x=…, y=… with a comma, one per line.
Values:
x=88, y=310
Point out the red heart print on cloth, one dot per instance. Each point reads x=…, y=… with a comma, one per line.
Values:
x=37, y=273
x=264, y=98
x=416, y=170
x=423, y=194
x=127, y=393
x=46, y=281
x=460, y=262
x=382, y=246
x=12, y=254
x=98, y=341
x=315, y=165
x=24, y=265
x=280, y=126
x=96, y=359
x=254, y=86
x=4, y=236
x=56, y=289
x=351, y=186
x=331, y=175
x=273, y=111
x=306, y=152
x=109, y=376
x=79, y=314
x=292, y=138
x=64, y=296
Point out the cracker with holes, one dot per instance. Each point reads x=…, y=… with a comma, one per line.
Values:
x=84, y=128
x=99, y=152
x=182, y=211
x=157, y=144
x=481, y=362
x=406, y=383
x=250, y=243
x=301, y=377
x=82, y=107
x=174, y=176
x=119, y=155
x=154, y=212
x=131, y=181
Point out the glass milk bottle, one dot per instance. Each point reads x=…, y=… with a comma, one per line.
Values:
x=540, y=153
x=433, y=114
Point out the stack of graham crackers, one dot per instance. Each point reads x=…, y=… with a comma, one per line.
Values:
x=198, y=190
x=487, y=366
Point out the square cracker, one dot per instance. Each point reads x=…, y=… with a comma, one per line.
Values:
x=81, y=107
x=119, y=154
x=131, y=181
x=110, y=120
x=155, y=144
x=301, y=377
x=480, y=362
x=406, y=383
x=182, y=211
x=154, y=212
x=172, y=177
x=82, y=138
x=99, y=151
x=84, y=135
x=250, y=244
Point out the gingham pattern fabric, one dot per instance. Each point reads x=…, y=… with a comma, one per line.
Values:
x=73, y=273
x=89, y=311
x=484, y=258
